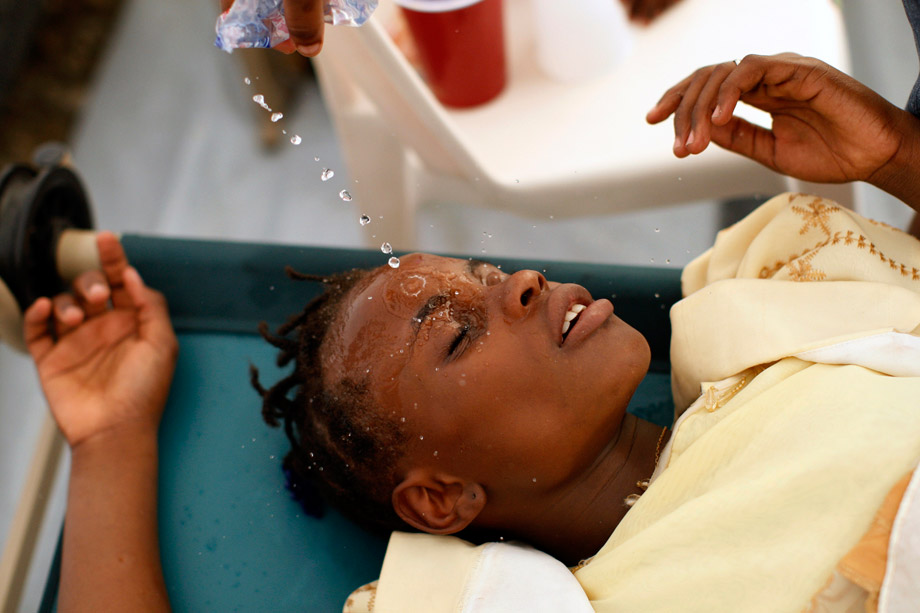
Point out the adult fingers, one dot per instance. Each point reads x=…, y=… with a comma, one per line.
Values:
x=152, y=311
x=36, y=328
x=702, y=110
x=683, y=115
x=114, y=263
x=747, y=139
x=766, y=77
x=305, y=23
x=669, y=101
x=92, y=292
x=67, y=315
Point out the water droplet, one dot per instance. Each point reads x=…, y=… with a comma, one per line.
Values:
x=386, y=248
x=394, y=263
x=657, y=229
x=534, y=479
x=344, y=195
x=657, y=295
x=276, y=117
x=284, y=131
x=517, y=180
x=667, y=261
x=421, y=437
x=260, y=100
x=247, y=81
x=327, y=174
x=652, y=260
x=435, y=453
x=365, y=220
x=315, y=158
x=296, y=140
x=402, y=419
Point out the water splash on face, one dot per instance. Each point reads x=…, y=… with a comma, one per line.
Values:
x=413, y=285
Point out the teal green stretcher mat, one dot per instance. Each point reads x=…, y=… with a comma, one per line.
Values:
x=231, y=538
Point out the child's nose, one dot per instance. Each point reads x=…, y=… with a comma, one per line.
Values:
x=521, y=290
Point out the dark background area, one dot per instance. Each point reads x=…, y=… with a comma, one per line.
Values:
x=48, y=53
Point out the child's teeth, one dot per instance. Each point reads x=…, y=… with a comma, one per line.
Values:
x=578, y=308
x=565, y=326
x=570, y=315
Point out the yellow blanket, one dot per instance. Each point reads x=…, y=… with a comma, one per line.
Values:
x=777, y=470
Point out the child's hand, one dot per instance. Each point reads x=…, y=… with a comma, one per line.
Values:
x=305, y=25
x=112, y=363
x=827, y=127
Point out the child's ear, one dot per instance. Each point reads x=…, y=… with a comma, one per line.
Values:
x=437, y=503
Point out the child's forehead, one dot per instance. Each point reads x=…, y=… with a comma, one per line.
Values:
x=406, y=289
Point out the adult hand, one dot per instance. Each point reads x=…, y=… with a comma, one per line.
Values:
x=644, y=11
x=305, y=24
x=827, y=127
x=103, y=368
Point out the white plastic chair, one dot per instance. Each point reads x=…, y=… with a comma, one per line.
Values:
x=550, y=148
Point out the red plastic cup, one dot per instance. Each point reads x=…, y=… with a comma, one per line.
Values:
x=461, y=46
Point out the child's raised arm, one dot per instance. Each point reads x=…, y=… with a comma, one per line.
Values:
x=105, y=356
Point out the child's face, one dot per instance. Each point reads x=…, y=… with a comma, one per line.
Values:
x=472, y=363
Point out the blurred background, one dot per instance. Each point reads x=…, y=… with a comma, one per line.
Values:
x=168, y=141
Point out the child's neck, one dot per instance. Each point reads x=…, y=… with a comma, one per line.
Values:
x=576, y=524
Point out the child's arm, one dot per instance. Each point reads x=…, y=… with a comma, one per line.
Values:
x=827, y=127
x=105, y=357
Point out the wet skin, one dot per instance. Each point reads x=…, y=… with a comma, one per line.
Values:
x=472, y=362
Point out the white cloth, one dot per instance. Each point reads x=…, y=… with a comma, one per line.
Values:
x=425, y=573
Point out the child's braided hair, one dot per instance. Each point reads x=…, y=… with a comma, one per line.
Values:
x=342, y=449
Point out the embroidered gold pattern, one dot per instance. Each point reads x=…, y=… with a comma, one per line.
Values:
x=815, y=216
x=800, y=268
x=767, y=272
x=368, y=587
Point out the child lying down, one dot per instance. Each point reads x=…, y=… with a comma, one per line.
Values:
x=787, y=482
x=796, y=369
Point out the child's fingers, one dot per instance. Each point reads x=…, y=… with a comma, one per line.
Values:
x=152, y=311
x=36, y=330
x=92, y=292
x=67, y=315
x=114, y=262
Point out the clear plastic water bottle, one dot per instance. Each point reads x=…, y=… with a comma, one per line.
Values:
x=261, y=24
